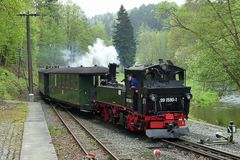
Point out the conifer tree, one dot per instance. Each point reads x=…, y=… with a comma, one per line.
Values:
x=123, y=38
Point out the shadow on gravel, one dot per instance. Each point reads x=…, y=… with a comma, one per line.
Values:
x=108, y=125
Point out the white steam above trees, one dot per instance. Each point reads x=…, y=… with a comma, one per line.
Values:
x=98, y=54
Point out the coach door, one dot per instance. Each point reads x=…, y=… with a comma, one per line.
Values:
x=85, y=86
x=46, y=84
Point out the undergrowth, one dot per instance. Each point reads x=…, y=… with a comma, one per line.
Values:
x=10, y=86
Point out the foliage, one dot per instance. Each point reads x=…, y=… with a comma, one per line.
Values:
x=64, y=27
x=98, y=31
x=51, y=36
x=11, y=87
x=144, y=15
x=208, y=34
x=106, y=20
x=164, y=17
x=123, y=38
x=11, y=30
x=202, y=96
x=151, y=46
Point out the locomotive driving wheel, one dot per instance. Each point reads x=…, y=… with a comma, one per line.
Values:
x=112, y=119
x=126, y=126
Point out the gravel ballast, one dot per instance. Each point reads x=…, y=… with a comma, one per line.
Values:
x=64, y=144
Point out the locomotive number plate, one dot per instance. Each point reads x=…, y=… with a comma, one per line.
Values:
x=163, y=100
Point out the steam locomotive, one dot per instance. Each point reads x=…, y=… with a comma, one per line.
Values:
x=159, y=105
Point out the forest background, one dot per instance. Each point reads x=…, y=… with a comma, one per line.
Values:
x=200, y=36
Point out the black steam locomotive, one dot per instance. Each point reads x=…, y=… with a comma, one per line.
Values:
x=157, y=105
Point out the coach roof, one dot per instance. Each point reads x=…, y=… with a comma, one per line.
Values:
x=96, y=70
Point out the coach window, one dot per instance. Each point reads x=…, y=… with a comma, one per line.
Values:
x=64, y=81
x=76, y=82
x=61, y=81
x=73, y=82
x=67, y=81
x=70, y=81
x=55, y=80
x=58, y=81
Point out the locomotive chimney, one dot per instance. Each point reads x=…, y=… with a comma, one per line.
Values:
x=112, y=71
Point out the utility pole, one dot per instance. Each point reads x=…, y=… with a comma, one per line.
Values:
x=19, y=60
x=29, y=54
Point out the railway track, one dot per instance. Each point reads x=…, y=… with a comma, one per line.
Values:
x=202, y=149
x=84, y=138
x=97, y=144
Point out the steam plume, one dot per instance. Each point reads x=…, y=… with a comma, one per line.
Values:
x=98, y=54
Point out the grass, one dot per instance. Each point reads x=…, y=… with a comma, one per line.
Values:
x=16, y=113
x=54, y=131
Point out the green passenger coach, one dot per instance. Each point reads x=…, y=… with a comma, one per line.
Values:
x=73, y=86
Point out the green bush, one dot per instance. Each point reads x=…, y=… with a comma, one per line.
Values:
x=202, y=97
x=10, y=86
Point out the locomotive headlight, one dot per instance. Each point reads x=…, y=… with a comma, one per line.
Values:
x=153, y=97
x=189, y=96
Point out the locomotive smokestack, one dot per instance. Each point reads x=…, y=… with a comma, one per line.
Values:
x=112, y=71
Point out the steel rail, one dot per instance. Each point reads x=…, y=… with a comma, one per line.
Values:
x=213, y=150
x=70, y=131
x=94, y=137
x=203, y=150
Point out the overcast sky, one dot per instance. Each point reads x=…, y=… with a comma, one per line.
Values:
x=95, y=7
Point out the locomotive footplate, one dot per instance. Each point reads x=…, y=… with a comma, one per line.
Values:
x=165, y=133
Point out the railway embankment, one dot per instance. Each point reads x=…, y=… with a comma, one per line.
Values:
x=12, y=117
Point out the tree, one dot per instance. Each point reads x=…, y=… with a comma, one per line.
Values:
x=123, y=38
x=51, y=35
x=145, y=14
x=106, y=20
x=211, y=28
x=152, y=45
x=12, y=31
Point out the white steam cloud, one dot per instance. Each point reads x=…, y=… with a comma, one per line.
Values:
x=98, y=54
